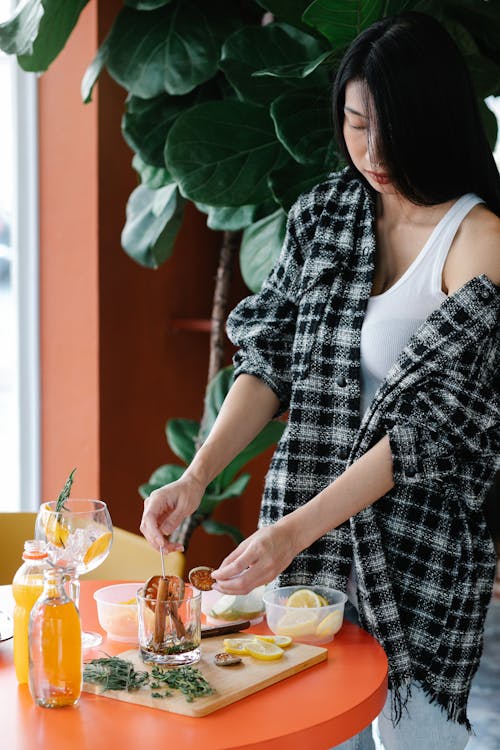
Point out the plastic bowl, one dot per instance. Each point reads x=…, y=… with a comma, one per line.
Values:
x=117, y=611
x=224, y=608
x=305, y=624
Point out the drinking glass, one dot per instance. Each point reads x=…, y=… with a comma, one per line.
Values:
x=170, y=630
x=78, y=539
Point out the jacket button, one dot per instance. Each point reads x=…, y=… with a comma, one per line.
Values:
x=484, y=293
x=410, y=472
x=341, y=381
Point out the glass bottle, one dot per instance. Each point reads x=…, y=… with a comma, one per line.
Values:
x=55, y=646
x=26, y=588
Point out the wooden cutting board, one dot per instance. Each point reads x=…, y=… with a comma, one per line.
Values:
x=229, y=683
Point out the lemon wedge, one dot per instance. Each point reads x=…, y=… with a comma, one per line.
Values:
x=304, y=598
x=237, y=646
x=98, y=547
x=264, y=651
x=55, y=531
x=330, y=625
x=297, y=623
x=324, y=602
x=283, y=641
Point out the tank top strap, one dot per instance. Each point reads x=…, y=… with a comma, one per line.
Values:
x=448, y=229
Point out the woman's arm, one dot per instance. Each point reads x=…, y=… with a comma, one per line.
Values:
x=267, y=552
x=248, y=407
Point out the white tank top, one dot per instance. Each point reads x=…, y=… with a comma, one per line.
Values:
x=392, y=317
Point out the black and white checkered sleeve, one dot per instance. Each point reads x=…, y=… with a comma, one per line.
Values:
x=262, y=326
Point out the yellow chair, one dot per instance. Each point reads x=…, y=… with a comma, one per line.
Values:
x=15, y=528
x=131, y=556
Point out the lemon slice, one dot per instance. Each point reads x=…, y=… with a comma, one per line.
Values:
x=98, y=547
x=324, y=602
x=297, y=623
x=330, y=625
x=129, y=601
x=237, y=646
x=283, y=641
x=304, y=598
x=55, y=531
x=264, y=650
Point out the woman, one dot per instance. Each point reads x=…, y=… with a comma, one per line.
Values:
x=377, y=331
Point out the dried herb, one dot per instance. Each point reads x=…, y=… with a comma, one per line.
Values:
x=64, y=494
x=188, y=680
x=114, y=673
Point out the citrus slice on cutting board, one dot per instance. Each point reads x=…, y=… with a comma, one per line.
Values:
x=237, y=646
x=304, y=598
x=264, y=651
x=283, y=641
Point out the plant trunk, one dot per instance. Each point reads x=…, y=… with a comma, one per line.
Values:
x=230, y=246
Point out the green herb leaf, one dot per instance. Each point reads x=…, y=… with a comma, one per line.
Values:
x=64, y=492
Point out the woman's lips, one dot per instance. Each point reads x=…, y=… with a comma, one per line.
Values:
x=380, y=177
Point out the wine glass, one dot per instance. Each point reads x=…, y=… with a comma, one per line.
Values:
x=78, y=539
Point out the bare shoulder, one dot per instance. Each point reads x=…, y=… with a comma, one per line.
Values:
x=475, y=250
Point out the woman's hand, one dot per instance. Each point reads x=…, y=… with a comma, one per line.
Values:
x=167, y=507
x=256, y=561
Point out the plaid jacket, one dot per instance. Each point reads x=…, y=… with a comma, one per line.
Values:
x=424, y=558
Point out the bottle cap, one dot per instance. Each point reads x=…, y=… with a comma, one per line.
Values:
x=35, y=549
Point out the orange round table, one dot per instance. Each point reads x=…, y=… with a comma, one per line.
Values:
x=317, y=708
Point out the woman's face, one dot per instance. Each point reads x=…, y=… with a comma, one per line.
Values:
x=356, y=136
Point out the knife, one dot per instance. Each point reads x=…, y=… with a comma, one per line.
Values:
x=208, y=631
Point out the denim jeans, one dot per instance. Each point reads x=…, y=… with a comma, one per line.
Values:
x=423, y=726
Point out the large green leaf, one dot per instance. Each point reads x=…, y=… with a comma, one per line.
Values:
x=255, y=47
x=181, y=437
x=153, y=220
x=288, y=182
x=234, y=218
x=298, y=70
x=146, y=123
x=234, y=489
x=221, y=153
x=163, y=475
x=260, y=246
x=151, y=177
x=216, y=527
x=93, y=72
x=38, y=31
x=342, y=20
x=172, y=49
x=265, y=439
x=146, y=4
x=287, y=10
x=303, y=124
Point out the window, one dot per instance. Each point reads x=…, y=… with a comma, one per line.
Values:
x=19, y=360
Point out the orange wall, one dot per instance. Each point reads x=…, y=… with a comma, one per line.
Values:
x=113, y=368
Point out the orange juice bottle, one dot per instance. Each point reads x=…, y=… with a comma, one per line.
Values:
x=26, y=588
x=55, y=646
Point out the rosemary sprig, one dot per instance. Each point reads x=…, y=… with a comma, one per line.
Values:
x=64, y=494
x=188, y=680
x=114, y=673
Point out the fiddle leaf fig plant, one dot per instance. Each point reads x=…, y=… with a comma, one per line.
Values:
x=228, y=106
x=182, y=436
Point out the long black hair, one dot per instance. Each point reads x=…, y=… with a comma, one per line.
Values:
x=427, y=127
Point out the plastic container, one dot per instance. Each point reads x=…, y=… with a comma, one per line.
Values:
x=117, y=611
x=315, y=625
x=223, y=608
x=26, y=588
x=55, y=646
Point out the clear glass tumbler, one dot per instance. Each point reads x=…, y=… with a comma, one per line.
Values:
x=170, y=630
